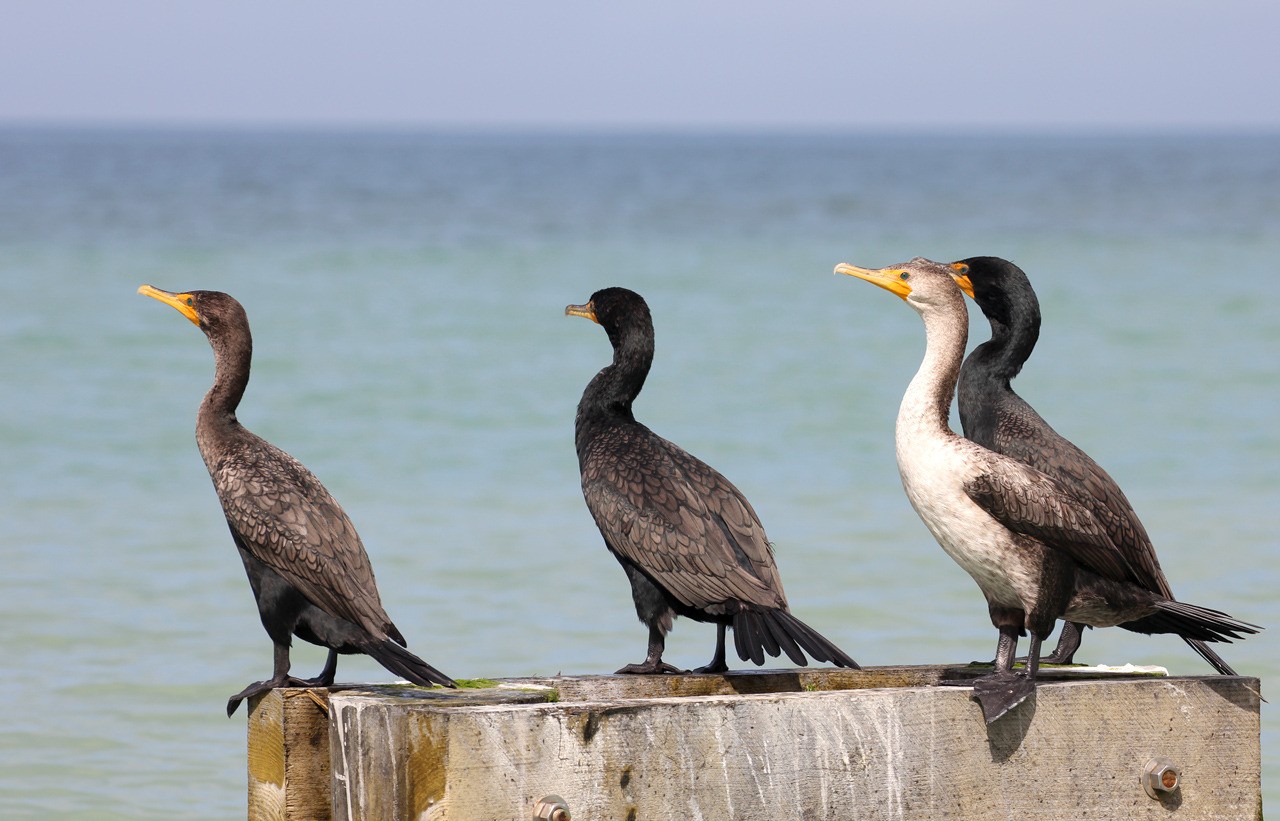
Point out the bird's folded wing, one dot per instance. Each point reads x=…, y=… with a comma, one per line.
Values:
x=1081, y=475
x=685, y=526
x=290, y=522
x=1028, y=502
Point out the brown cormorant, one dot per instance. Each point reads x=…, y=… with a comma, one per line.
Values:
x=1035, y=551
x=996, y=417
x=307, y=567
x=689, y=541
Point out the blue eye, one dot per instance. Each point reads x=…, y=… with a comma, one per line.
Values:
x=190, y=301
x=904, y=275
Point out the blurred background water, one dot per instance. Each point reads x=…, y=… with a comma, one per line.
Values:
x=406, y=293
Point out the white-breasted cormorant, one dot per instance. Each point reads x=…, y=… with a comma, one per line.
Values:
x=996, y=417
x=307, y=567
x=1037, y=553
x=688, y=540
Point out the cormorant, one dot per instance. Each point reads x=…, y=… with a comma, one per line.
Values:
x=689, y=541
x=1037, y=553
x=307, y=567
x=996, y=417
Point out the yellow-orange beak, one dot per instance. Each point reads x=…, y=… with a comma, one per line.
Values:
x=184, y=303
x=894, y=280
x=587, y=311
x=961, y=276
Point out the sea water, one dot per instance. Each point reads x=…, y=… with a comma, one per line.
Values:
x=406, y=293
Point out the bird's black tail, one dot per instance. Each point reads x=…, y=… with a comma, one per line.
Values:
x=1197, y=624
x=756, y=632
x=403, y=663
x=1211, y=657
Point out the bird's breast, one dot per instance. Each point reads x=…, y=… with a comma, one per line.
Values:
x=1004, y=565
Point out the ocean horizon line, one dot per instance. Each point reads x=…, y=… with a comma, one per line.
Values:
x=636, y=130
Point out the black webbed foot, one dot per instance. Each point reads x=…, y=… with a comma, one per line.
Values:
x=1068, y=644
x=653, y=665
x=259, y=687
x=717, y=663
x=650, y=668
x=1052, y=658
x=318, y=681
x=327, y=674
x=999, y=693
x=1002, y=690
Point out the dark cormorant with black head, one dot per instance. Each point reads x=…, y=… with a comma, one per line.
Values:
x=1035, y=551
x=688, y=540
x=996, y=417
x=307, y=567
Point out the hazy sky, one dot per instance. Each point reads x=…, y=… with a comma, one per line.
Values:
x=937, y=64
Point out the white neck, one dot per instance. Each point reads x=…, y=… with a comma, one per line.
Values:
x=926, y=405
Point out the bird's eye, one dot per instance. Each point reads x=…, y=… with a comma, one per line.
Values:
x=904, y=275
x=190, y=301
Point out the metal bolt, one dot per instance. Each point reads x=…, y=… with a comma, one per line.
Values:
x=1160, y=777
x=551, y=808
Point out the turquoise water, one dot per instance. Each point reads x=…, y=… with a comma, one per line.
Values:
x=407, y=292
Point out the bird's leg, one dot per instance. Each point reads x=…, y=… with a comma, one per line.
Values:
x=1033, y=658
x=1002, y=690
x=653, y=663
x=1056, y=584
x=1005, y=648
x=279, y=678
x=326, y=675
x=717, y=664
x=1068, y=644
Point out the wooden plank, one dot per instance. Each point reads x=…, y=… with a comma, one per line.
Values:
x=289, y=773
x=1076, y=749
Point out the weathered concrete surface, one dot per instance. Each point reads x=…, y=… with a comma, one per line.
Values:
x=290, y=774
x=748, y=682
x=1075, y=750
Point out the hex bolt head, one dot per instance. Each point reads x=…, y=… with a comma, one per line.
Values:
x=1160, y=777
x=551, y=808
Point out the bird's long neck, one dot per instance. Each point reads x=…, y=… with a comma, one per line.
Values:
x=986, y=375
x=216, y=419
x=926, y=405
x=1012, y=341
x=610, y=393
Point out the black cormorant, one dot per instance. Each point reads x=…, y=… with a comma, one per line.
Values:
x=994, y=416
x=688, y=540
x=1037, y=553
x=307, y=567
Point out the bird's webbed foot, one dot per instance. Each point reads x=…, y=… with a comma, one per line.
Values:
x=1068, y=644
x=260, y=687
x=319, y=681
x=1002, y=690
x=999, y=693
x=717, y=663
x=650, y=667
x=1053, y=658
x=326, y=676
x=653, y=665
